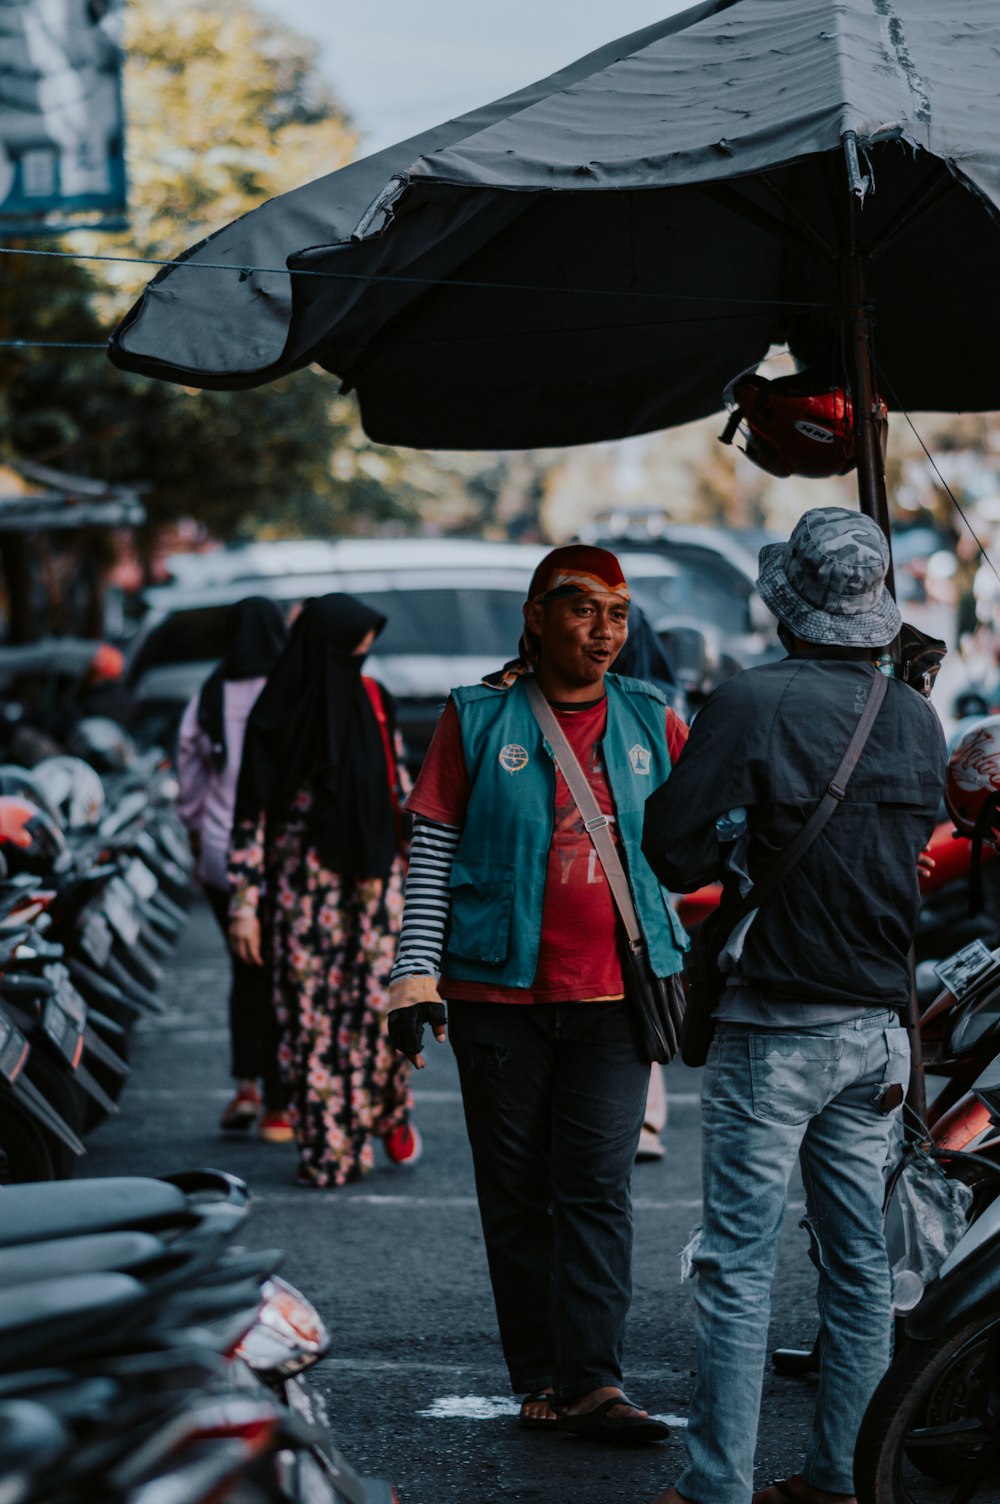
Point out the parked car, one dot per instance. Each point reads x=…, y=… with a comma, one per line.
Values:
x=696, y=585
x=453, y=610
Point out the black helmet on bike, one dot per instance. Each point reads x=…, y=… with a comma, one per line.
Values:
x=30, y=838
x=16, y=780
x=103, y=743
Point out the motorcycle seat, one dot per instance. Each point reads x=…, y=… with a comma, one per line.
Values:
x=30, y=1438
x=80, y=1317
x=67, y=1302
x=43, y=1210
x=97, y=1253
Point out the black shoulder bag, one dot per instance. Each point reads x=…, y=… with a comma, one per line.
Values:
x=705, y=980
x=657, y=1002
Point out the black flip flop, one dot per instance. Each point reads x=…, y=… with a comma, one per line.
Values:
x=627, y=1431
x=783, y=1489
x=534, y=1422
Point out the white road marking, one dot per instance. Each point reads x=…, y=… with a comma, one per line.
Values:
x=470, y=1407
x=674, y=1098
x=307, y=1195
x=209, y=1036
x=223, y=1093
x=470, y=1372
x=301, y=1198
x=168, y=1093
x=494, y=1407
x=182, y=1032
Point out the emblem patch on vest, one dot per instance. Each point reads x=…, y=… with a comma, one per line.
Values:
x=641, y=759
x=513, y=758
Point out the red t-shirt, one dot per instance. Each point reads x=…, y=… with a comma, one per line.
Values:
x=578, y=956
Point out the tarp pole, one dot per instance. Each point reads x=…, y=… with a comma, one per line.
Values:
x=871, y=494
x=874, y=502
x=867, y=422
x=859, y=321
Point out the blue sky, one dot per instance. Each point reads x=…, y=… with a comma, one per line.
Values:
x=403, y=65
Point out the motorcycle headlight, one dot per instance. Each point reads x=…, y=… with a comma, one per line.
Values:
x=288, y=1335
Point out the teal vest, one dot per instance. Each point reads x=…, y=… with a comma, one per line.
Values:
x=498, y=877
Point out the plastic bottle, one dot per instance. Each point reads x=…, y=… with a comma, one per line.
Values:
x=731, y=825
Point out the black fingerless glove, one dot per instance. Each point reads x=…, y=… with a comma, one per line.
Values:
x=406, y=1025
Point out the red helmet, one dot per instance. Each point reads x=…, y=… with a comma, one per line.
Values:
x=30, y=839
x=973, y=780
x=107, y=663
x=795, y=425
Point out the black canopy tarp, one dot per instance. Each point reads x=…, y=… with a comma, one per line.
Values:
x=600, y=253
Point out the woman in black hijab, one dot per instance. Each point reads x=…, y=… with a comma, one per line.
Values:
x=209, y=748
x=316, y=873
x=256, y=633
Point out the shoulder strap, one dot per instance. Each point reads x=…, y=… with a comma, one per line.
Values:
x=832, y=796
x=595, y=823
x=373, y=690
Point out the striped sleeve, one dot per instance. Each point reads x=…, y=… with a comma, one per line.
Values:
x=425, y=907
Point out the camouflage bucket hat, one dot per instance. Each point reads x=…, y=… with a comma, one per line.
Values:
x=827, y=583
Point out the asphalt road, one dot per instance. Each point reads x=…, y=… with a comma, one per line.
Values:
x=416, y=1387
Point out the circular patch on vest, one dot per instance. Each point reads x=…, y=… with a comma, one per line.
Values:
x=513, y=758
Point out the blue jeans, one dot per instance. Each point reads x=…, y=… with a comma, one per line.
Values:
x=768, y=1095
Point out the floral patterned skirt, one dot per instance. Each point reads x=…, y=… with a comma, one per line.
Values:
x=332, y=949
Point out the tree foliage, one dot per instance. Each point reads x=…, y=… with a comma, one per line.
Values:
x=225, y=109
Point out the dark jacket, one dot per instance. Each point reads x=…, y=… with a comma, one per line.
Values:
x=838, y=930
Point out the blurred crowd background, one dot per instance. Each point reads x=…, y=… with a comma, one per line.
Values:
x=115, y=489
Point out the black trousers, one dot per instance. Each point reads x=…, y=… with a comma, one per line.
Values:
x=554, y=1096
x=253, y=1024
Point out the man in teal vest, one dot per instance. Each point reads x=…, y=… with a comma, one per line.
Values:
x=509, y=918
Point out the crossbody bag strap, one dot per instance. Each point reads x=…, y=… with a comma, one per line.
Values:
x=832, y=796
x=373, y=690
x=595, y=822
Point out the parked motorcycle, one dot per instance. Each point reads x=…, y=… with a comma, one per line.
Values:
x=932, y=1430
x=94, y=883
x=948, y=1169
x=144, y=1357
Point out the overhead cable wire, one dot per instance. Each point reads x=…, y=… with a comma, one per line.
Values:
x=449, y=339
x=378, y=278
x=49, y=344
x=933, y=464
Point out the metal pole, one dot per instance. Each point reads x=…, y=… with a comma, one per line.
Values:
x=859, y=320
x=874, y=502
x=872, y=496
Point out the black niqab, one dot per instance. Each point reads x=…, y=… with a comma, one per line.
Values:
x=313, y=728
x=255, y=636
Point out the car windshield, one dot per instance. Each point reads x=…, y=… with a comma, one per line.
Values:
x=435, y=622
x=445, y=623
x=698, y=585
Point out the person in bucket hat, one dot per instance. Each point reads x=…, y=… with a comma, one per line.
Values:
x=808, y=1059
x=827, y=583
